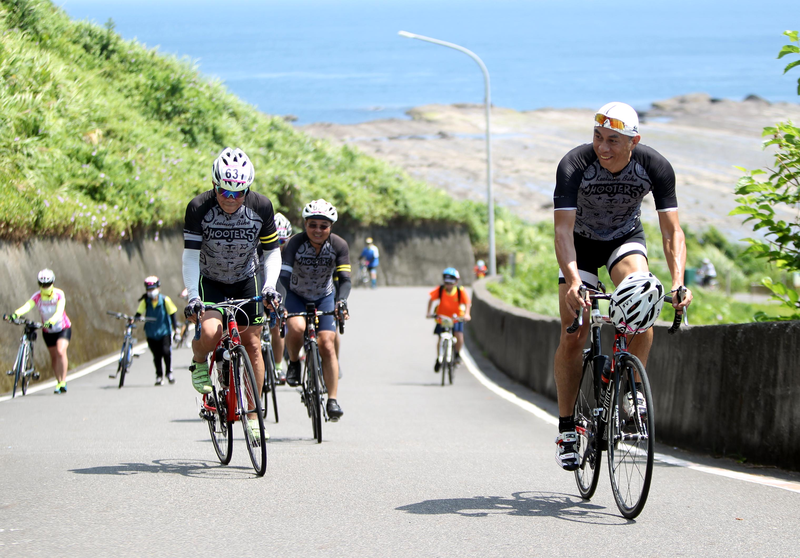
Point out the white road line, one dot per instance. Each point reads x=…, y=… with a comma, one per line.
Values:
x=669, y=460
x=137, y=349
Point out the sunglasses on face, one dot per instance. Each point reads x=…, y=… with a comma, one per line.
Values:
x=322, y=227
x=231, y=194
x=45, y=285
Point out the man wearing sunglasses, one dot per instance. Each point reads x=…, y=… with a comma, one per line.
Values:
x=598, y=196
x=224, y=229
x=311, y=259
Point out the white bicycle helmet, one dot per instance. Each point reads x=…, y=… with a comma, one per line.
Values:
x=636, y=302
x=232, y=170
x=320, y=209
x=283, y=226
x=46, y=276
x=151, y=282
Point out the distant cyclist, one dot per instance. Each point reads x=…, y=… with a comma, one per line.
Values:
x=480, y=269
x=597, y=200
x=451, y=300
x=57, y=331
x=154, y=304
x=284, y=228
x=310, y=261
x=370, y=255
x=223, y=230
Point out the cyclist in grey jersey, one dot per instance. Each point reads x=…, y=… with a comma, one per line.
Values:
x=224, y=229
x=310, y=261
x=597, y=201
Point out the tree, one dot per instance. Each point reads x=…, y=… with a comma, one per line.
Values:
x=759, y=199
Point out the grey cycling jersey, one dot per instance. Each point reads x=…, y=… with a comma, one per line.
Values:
x=310, y=275
x=608, y=206
x=228, y=242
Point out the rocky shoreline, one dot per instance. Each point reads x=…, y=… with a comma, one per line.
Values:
x=444, y=145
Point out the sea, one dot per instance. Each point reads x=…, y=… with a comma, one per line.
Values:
x=342, y=61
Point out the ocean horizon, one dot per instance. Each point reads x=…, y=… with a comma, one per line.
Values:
x=344, y=62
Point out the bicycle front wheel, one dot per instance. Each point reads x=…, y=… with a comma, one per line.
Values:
x=313, y=391
x=631, y=437
x=269, y=380
x=216, y=413
x=447, y=358
x=587, y=428
x=249, y=394
x=125, y=361
x=27, y=370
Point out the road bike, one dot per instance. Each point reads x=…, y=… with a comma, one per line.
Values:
x=312, y=388
x=270, y=373
x=234, y=392
x=364, y=279
x=446, y=356
x=23, y=365
x=126, y=353
x=609, y=414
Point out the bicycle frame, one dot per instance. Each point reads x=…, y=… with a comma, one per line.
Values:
x=230, y=339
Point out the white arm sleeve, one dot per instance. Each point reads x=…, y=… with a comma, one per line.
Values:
x=272, y=267
x=191, y=272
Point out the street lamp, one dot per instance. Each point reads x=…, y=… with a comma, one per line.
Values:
x=488, y=103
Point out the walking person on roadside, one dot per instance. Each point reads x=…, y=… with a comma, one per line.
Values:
x=370, y=255
x=159, y=333
x=597, y=202
x=57, y=329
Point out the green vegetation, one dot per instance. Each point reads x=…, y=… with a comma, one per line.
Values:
x=534, y=284
x=100, y=137
x=781, y=189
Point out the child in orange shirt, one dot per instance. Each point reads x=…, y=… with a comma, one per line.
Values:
x=453, y=301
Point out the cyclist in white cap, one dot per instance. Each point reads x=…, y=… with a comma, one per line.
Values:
x=597, y=201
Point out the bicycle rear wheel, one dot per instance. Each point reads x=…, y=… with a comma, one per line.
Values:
x=313, y=391
x=631, y=438
x=216, y=413
x=269, y=380
x=586, y=425
x=250, y=406
x=125, y=361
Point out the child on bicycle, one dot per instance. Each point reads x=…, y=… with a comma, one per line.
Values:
x=57, y=329
x=453, y=301
x=153, y=304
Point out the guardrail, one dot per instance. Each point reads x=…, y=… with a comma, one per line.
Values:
x=731, y=390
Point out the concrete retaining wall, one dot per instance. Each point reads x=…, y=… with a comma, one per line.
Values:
x=729, y=390
x=109, y=276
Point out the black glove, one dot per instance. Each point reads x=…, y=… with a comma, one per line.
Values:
x=271, y=296
x=194, y=308
x=341, y=308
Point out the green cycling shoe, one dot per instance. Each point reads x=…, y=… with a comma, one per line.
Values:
x=200, y=379
x=252, y=426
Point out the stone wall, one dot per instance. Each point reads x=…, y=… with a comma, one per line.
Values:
x=109, y=276
x=723, y=390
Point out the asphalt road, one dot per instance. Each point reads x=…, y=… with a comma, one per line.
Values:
x=413, y=469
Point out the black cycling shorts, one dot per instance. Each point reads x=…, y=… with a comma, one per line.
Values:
x=50, y=339
x=295, y=303
x=251, y=313
x=591, y=255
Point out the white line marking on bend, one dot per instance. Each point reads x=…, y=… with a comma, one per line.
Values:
x=137, y=349
x=669, y=460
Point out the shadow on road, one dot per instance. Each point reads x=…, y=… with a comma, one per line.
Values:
x=527, y=504
x=187, y=468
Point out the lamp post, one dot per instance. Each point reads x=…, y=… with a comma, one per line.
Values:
x=488, y=103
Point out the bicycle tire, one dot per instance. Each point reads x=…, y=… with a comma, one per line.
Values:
x=447, y=351
x=269, y=380
x=219, y=427
x=631, y=440
x=18, y=370
x=587, y=427
x=124, y=362
x=248, y=392
x=313, y=391
x=27, y=369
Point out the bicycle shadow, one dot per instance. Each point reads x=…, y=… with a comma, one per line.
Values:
x=524, y=504
x=186, y=468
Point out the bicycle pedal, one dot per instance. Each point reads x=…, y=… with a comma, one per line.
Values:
x=35, y=375
x=9, y=372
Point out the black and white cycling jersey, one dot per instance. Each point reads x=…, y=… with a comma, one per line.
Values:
x=228, y=242
x=309, y=274
x=608, y=206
